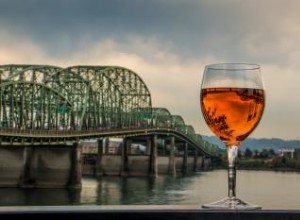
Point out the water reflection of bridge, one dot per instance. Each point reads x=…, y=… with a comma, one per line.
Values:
x=47, y=111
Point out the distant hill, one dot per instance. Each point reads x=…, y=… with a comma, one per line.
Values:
x=258, y=144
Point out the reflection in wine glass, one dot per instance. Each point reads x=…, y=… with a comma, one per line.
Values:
x=232, y=101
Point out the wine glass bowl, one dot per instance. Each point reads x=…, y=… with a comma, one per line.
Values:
x=232, y=101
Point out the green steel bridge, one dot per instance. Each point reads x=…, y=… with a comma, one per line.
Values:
x=44, y=105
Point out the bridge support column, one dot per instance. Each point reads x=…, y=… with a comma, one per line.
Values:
x=153, y=171
x=203, y=166
x=184, y=160
x=106, y=147
x=148, y=145
x=206, y=163
x=11, y=165
x=195, y=167
x=75, y=170
x=27, y=179
x=124, y=160
x=172, y=164
x=99, y=170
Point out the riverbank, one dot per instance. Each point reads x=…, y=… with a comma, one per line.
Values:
x=282, y=169
x=274, y=163
x=263, y=169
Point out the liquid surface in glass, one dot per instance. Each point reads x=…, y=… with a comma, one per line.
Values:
x=232, y=113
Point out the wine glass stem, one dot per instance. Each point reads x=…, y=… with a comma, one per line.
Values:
x=232, y=152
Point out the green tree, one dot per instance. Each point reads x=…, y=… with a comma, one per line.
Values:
x=248, y=153
x=264, y=153
x=271, y=153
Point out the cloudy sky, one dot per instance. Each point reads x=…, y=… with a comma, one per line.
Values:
x=168, y=43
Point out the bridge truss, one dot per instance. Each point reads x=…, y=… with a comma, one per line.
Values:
x=46, y=99
x=73, y=98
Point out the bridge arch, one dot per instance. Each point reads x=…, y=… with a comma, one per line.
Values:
x=136, y=96
x=121, y=88
x=28, y=105
x=178, y=123
x=101, y=96
x=161, y=117
x=29, y=73
x=190, y=129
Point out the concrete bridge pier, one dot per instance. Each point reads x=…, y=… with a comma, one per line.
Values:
x=139, y=156
x=27, y=179
x=136, y=164
x=185, y=159
x=153, y=169
x=11, y=165
x=172, y=157
x=199, y=161
x=207, y=163
x=105, y=145
x=124, y=156
x=178, y=158
x=75, y=166
x=98, y=169
x=195, y=165
x=41, y=166
x=128, y=160
x=148, y=145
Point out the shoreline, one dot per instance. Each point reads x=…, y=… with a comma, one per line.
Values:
x=263, y=169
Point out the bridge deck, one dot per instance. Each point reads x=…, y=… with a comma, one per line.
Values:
x=48, y=137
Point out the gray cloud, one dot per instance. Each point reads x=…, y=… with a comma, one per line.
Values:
x=196, y=27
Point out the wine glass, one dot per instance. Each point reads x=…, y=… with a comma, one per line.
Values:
x=232, y=101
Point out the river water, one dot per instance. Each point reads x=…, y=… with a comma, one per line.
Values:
x=271, y=190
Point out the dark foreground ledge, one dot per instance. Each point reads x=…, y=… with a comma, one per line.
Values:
x=148, y=212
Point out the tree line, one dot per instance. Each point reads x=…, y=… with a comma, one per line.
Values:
x=266, y=159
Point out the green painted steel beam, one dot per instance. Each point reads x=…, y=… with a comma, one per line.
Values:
x=80, y=99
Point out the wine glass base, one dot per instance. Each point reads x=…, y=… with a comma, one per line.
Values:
x=231, y=203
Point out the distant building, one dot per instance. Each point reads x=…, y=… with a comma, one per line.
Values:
x=91, y=146
x=282, y=151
